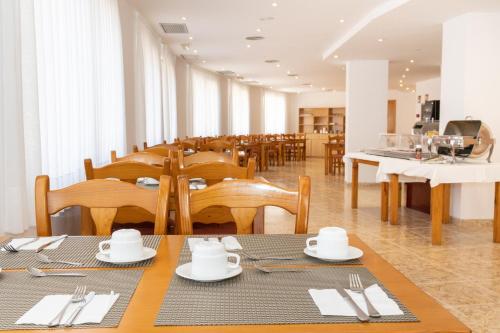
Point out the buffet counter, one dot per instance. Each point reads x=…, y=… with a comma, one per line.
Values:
x=392, y=171
x=314, y=144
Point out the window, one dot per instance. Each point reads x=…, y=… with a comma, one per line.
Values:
x=240, y=109
x=80, y=85
x=205, y=103
x=275, y=112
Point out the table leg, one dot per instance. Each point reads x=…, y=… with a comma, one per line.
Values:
x=354, y=184
x=394, y=198
x=496, y=215
x=437, y=196
x=326, y=160
x=400, y=195
x=446, y=203
x=384, y=201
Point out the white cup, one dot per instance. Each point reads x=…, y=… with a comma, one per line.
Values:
x=331, y=243
x=210, y=260
x=125, y=244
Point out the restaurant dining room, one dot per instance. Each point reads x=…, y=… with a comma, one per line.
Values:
x=249, y=165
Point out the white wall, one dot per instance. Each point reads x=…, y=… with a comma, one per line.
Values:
x=470, y=87
x=405, y=110
x=366, y=108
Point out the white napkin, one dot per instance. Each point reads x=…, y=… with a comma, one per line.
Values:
x=331, y=303
x=196, y=186
x=148, y=181
x=49, y=306
x=230, y=242
x=35, y=245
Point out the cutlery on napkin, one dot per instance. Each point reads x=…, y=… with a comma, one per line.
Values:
x=230, y=242
x=331, y=303
x=38, y=243
x=48, y=307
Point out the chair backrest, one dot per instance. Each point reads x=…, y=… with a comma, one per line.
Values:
x=142, y=156
x=127, y=171
x=218, y=146
x=145, y=144
x=243, y=197
x=103, y=197
x=166, y=150
x=208, y=156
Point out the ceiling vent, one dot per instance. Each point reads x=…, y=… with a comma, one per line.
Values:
x=190, y=57
x=226, y=73
x=293, y=75
x=254, y=38
x=174, y=28
x=272, y=61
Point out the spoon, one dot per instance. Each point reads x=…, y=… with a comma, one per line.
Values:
x=278, y=270
x=45, y=259
x=39, y=273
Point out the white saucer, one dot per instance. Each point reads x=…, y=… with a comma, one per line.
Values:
x=185, y=272
x=352, y=253
x=148, y=253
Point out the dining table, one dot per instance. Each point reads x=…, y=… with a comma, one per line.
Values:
x=152, y=291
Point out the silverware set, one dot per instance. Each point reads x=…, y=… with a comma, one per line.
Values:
x=11, y=248
x=78, y=295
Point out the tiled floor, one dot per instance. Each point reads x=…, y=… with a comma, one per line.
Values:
x=463, y=274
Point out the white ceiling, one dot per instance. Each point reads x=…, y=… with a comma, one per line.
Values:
x=305, y=34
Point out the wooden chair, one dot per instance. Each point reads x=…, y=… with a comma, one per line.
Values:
x=142, y=156
x=243, y=197
x=166, y=150
x=253, y=150
x=218, y=146
x=126, y=170
x=103, y=197
x=334, y=154
x=145, y=144
x=208, y=156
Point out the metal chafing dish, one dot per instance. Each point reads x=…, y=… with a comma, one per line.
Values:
x=464, y=138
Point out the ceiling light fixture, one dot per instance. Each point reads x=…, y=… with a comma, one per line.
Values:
x=407, y=88
x=403, y=76
x=271, y=87
x=413, y=90
x=336, y=56
x=249, y=46
x=297, y=77
x=407, y=69
x=204, y=61
x=190, y=37
x=195, y=51
x=323, y=88
x=274, y=4
x=258, y=30
x=278, y=65
x=380, y=40
x=400, y=81
x=401, y=85
x=184, y=18
x=341, y=20
x=412, y=61
x=288, y=72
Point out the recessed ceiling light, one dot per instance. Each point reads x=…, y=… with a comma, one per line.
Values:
x=407, y=69
x=297, y=77
x=288, y=72
x=407, y=88
x=380, y=40
x=258, y=30
x=401, y=85
x=413, y=90
x=274, y=4
x=190, y=37
x=271, y=87
x=203, y=61
x=195, y=51
x=249, y=46
x=403, y=76
x=400, y=81
x=184, y=18
x=412, y=61
x=336, y=56
x=323, y=88
x=278, y=65
x=341, y=20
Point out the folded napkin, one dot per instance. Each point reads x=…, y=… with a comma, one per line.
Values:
x=49, y=306
x=230, y=242
x=148, y=181
x=331, y=303
x=35, y=245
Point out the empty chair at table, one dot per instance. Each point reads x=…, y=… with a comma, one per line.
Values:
x=166, y=150
x=103, y=197
x=218, y=146
x=208, y=156
x=334, y=153
x=243, y=197
x=142, y=156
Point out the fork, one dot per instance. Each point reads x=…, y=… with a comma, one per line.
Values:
x=77, y=296
x=255, y=257
x=356, y=285
x=11, y=248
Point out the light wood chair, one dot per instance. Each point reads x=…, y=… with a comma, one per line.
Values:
x=243, y=197
x=145, y=144
x=128, y=171
x=218, y=146
x=142, y=156
x=103, y=197
x=334, y=154
x=166, y=150
x=208, y=156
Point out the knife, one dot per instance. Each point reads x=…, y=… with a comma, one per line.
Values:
x=362, y=316
x=75, y=313
x=43, y=246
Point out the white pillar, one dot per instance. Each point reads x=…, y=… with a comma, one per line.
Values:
x=366, y=108
x=470, y=86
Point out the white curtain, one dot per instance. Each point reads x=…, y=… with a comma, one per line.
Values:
x=169, y=95
x=240, y=109
x=275, y=112
x=149, y=79
x=205, y=103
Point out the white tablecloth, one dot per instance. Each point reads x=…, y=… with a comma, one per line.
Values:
x=467, y=171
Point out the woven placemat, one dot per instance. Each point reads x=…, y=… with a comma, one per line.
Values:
x=74, y=248
x=19, y=292
x=276, y=245
x=257, y=298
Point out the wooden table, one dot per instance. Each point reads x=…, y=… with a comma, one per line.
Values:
x=145, y=304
